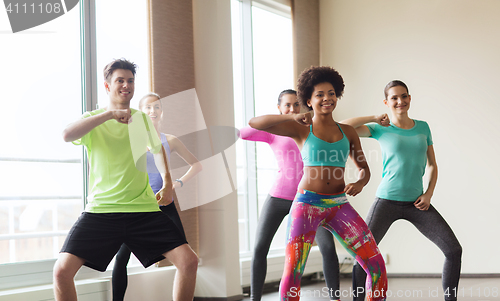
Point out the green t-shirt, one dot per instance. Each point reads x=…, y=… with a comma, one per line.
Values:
x=118, y=178
x=404, y=155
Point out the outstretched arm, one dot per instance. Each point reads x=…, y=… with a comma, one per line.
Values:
x=80, y=128
x=424, y=201
x=179, y=147
x=284, y=125
x=357, y=155
x=251, y=134
x=358, y=123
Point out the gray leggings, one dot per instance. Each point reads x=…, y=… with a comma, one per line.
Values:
x=430, y=223
x=272, y=214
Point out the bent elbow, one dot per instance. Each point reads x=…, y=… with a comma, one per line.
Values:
x=366, y=174
x=434, y=168
x=253, y=123
x=66, y=136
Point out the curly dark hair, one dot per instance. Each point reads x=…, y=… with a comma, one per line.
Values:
x=316, y=75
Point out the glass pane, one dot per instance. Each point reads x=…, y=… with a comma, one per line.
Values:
x=123, y=33
x=273, y=59
x=273, y=73
x=40, y=174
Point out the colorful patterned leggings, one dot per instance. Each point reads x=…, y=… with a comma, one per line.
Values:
x=311, y=210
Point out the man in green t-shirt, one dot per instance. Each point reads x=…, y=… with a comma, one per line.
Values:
x=122, y=207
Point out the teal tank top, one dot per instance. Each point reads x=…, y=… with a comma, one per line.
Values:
x=317, y=152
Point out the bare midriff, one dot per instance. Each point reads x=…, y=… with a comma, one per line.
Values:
x=323, y=179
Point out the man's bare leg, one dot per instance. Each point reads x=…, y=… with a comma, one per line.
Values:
x=186, y=262
x=65, y=269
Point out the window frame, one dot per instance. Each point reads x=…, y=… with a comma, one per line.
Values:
x=31, y=273
x=282, y=8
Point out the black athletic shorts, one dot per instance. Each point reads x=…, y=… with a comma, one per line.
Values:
x=96, y=237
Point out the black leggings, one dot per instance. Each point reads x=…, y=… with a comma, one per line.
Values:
x=430, y=223
x=119, y=277
x=272, y=214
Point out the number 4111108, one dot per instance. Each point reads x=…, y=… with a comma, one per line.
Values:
x=26, y=8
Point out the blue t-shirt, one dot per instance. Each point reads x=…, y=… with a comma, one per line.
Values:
x=404, y=153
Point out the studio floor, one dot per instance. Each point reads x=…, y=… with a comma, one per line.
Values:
x=406, y=289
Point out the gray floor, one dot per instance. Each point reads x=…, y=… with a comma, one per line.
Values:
x=408, y=289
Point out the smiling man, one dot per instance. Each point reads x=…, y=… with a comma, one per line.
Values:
x=121, y=208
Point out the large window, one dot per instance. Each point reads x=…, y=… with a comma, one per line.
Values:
x=266, y=50
x=50, y=74
x=40, y=175
x=122, y=33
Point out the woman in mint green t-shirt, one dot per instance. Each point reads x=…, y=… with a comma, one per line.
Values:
x=407, y=150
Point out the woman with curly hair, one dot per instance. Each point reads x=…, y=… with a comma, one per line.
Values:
x=321, y=197
x=279, y=201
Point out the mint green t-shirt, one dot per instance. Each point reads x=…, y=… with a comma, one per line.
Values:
x=118, y=179
x=404, y=153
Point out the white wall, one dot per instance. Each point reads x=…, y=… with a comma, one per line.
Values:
x=447, y=52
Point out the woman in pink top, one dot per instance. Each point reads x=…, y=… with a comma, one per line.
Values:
x=279, y=201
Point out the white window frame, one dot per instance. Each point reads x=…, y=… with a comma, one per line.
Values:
x=282, y=8
x=31, y=273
